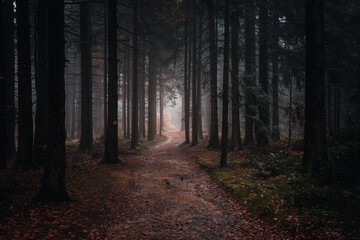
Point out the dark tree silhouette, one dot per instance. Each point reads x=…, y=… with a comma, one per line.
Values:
x=194, y=127
x=250, y=69
x=135, y=87
x=224, y=135
x=53, y=183
x=214, y=129
x=3, y=145
x=41, y=117
x=24, y=158
x=86, y=139
x=111, y=141
x=315, y=123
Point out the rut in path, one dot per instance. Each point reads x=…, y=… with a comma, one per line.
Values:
x=169, y=197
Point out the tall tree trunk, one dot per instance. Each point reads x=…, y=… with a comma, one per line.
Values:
x=152, y=92
x=235, y=95
x=3, y=96
x=142, y=90
x=128, y=94
x=199, y=71
x=224, y=135
x=214, y=132
x=9, y=34
x=24, y=159
x=86, y=139
x=250, y=70
x=53, y=183
x=194, y=132
x=161, y=103
x=124, y=95
x=105, y=67
x=275, y=78
x=41, y=117
x=135, y=87
x=263, y=105
x=315, y=124
x=111, y=142
x=186, y=84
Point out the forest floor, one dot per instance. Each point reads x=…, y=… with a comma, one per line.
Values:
x=160, y=192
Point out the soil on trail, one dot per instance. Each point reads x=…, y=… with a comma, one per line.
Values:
x=163, y=194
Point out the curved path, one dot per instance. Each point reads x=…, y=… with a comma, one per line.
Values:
x=170, y=197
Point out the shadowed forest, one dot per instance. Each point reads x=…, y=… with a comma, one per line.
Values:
x=179, y=119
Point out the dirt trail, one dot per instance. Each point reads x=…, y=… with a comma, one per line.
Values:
x=170, y=197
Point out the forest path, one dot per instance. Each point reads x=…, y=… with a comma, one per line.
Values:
x=170, y=197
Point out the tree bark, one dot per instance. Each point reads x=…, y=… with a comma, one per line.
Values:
x=105, y=67
x=152, y=92
x=142, y=130
x=86, y=139
x=186, y=84
x=194, y=128
x=275, y=79
x=224, y=135
x=41, y=117
x=250, y=70
x=199, y=71
x=53, y=183
x=3, y=96
x=125, y=123
x=24, y=159
x=161, y=103
x=111, y=142
x=315, y=124
x=263, y=105
x=236, y=143
x=8, y=38
x=214, y=132
x=135, y=89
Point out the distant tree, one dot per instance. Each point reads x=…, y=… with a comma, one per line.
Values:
x=263, y=102
x=135, y=87
x=152, y=91
x=199, y=72
x=236, y=143
x=111, y=141
x=53, y=183
x=86, y=139
x=142, y=60
x=315, y=124
x=250, y=70
x=224, y=135
x=214, y=129
x=41, y=80
x=24, y=158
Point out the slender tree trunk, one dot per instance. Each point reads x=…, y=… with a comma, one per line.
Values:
x=186, y=84
x=264, y=108
x=8, y=38
x=224, y=135
x=235, y=95
x=125, y=123
x=199, y=70
x=161, y=99
x=105, y=67
x=135, y=99
x=3, y=96
x=152, y=93
x=86, y=139
x=142, y=129
x=53, y=183
x=111, y=142
x=290, y=111
x=315, y=124
x=41, y=117
x=128, y=95
x=214, y=137
x=24, y=159
x=194, y=132
x=182, y=128
x=250, y=70
x=275, y=78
